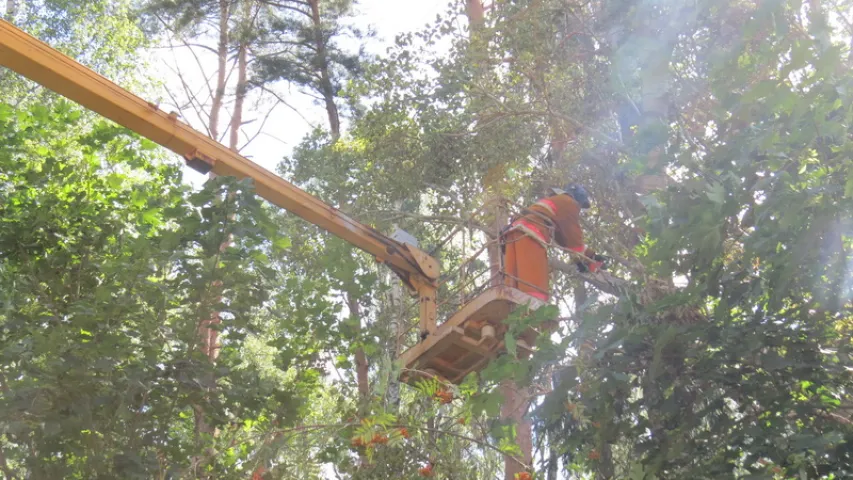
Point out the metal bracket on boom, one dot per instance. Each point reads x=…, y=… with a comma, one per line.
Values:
x=199, y=162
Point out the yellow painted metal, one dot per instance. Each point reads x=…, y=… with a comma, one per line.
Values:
x=457, y=347
x=39, y=62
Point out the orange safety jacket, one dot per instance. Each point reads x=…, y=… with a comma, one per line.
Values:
x=559, y=214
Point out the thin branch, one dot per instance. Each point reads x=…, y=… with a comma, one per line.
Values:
x=191, y=96
x=288, y=7
x=281, y=5
x=207, y=78
x=547, y=113
x=284, y=102
x=274, y=138
x=396, y=215
x=199, y=45
x=176, y=34
x=192, y=100
x=278, y=52
x=260, y=128
x=473, y=440
x=200, y=113
x=838, y=418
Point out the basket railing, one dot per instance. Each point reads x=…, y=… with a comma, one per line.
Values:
x=482, y=265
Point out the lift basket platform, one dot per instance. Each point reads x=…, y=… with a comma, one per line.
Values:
x=469, y=339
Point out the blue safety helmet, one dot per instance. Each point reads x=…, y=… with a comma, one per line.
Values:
x=578, y=193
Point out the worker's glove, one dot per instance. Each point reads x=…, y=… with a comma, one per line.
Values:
x=599, y=263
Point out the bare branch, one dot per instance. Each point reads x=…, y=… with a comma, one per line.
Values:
x=207, y=78
x=260, y=128
x=392, y=215
x=200, y=112
x=266, y=134
x=284, y=102
x=198, y=45
x=192, y=99
x=288, y=7
x=470, y=439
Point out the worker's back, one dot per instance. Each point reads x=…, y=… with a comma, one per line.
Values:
x=563, y=211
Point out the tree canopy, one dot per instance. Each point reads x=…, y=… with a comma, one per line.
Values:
x=716, y=138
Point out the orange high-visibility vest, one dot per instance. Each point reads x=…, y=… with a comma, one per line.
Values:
x=559, y=212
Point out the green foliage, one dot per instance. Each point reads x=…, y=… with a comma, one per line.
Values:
x=737, y=289
x=301, y=63
x=294, y=43
x=758, y=226
x=104, y=35
x=722, y=349
x=108, y=265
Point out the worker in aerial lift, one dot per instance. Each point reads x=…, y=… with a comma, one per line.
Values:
x=527, y=238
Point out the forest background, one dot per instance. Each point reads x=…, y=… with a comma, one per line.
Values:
x=157, y=324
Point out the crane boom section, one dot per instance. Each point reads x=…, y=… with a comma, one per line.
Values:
x=39, y=62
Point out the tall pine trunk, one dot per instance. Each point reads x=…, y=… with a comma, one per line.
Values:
x=326, y=87
x=361, y=365
x=476, y=12
x=240, y=98
x=516, y=401
x=209, y=337
x=222, y=59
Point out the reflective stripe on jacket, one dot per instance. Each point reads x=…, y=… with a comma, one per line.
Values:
x=531, y=230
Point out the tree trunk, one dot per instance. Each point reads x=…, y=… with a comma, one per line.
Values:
x=514, y=408
x=361, y=365
x=208, y=337
x=476, y=12
x=398, y=327
x=361, y=369
x=11, y=10
x=494, y=179
x=655, y=81
x=516, y=402
x=553, y=465
x=553, y=468
x=242, y=88
x=605, y=463
x=515, y=399
x=606, y=469
x=580, y=295
x=326, y=88
x=361, y=375
x=397, y=308
x=222, y=58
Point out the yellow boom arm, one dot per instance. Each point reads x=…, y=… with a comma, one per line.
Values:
x=39, y=62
